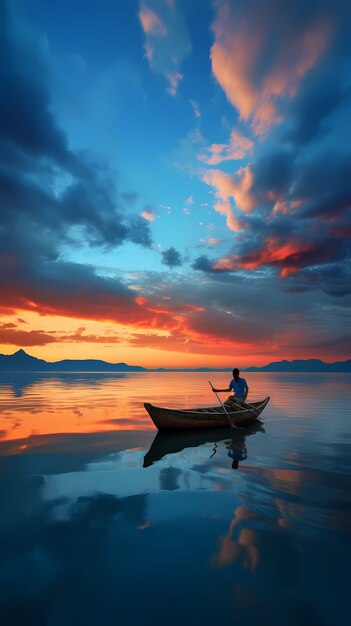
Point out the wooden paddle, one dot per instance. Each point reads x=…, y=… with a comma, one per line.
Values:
x=249, y=407
x=231, y=421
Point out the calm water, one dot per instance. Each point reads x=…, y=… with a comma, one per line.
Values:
x=105, y=522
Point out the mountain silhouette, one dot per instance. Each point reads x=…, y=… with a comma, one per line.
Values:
x=303, y=365
x=20, y=361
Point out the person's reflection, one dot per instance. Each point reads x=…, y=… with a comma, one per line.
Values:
x=173, y=442
x=236, y=453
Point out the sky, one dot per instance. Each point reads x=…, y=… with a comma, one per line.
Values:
x=175, y=180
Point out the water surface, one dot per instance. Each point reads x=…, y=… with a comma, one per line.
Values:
x=105, y=521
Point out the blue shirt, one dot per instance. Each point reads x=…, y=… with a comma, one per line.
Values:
x=239, y=387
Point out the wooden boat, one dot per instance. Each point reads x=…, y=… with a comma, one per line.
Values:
x=203, y=417
x=168, y=442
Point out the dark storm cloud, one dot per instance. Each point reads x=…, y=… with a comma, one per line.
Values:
x=49, y=195
x=171, y=257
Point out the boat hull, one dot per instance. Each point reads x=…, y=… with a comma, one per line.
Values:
x=203, y=417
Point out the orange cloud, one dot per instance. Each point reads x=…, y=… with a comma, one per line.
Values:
x=12, y=336
x=238, y=147
x=240, y=45
x=88, y=302
x=148, y=215
x=80, y=337
x=167, y=40
x=288, y=255
x=186, y=340
x=237, y=187
x=225, y=208
x=151, y=23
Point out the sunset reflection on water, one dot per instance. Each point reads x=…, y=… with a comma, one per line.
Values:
x=236, y=520
x=37, y=404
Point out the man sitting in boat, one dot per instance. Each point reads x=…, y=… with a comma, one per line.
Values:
x=239, y=387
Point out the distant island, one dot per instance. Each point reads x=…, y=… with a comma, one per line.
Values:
x=303, y=365
x=20, y=361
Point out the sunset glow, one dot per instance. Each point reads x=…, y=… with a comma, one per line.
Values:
x=170, y=200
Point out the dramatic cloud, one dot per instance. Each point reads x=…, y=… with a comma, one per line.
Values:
x=290, y=204
x=223, y=312
x=167, y=40
x=50, y=196
x=288, y=251
x=74, y=290
x=262, y=52
x=288, y=255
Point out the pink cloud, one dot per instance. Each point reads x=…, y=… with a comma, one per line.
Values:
x=237, y=187
x=167, y=41
x=242, y=41
x=225, y=208
x=148, y=214
x=151, y=23
x=238, y=148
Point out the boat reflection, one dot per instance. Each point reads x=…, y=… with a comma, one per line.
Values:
x=173, y=442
